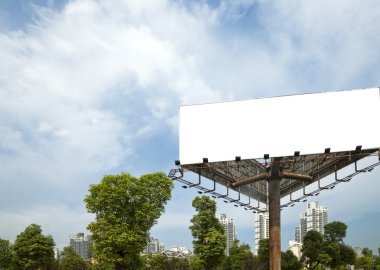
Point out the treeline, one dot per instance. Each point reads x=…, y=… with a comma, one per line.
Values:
x=126, y=208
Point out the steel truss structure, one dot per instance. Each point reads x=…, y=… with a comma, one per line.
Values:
x=248, y=177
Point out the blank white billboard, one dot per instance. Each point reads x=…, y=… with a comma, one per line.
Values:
x=279, y=126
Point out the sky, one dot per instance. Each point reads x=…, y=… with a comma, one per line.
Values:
x=89, y=88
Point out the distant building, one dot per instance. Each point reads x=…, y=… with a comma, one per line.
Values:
x=154, y=246
x=81, y=245
x=177, y=252
x=295, y=247
x=315, y=218
x=261, y=228
x=358, y=251
x=229, y=231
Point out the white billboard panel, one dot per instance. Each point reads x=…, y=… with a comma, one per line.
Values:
x=279, y=126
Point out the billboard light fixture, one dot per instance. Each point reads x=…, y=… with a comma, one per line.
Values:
x=177, y=162
x=266, y=156
x=238, y=158
x=205, y=160
x=327, y=150
x=358, y=148
x=296, y=153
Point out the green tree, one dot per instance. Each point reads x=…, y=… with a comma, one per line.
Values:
x=126, y=208
x=313, y=250
x=34, y=250
x=341, y=254
x=263, y=254
x=209, y=239
x=6, y=254
x=289, y=261
x=335, y=232
x=240, y=258
x=364, y=262
x=196, y=263
x=70, y=260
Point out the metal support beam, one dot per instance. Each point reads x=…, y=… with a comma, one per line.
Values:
x=274, y=216
x=249, y=180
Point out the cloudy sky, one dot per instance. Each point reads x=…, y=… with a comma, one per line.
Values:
x=89, y=88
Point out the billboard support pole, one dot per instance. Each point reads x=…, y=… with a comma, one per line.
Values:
x=274, y=215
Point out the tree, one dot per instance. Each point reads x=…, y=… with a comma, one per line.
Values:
x=240, y=258
x=289, y=261
x=313, y=251
x=70, y=260
x=209, y=239
x=341, y=254
x=6, y=254
x=364, y=262
x=34, y=250
x=335, y=232
x=263, y=254
x=196, y=263
x=126, y=208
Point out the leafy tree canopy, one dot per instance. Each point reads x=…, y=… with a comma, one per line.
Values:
x=209, y=239
x=33, y=250
x=126, y=208
x=240, y=258
x=6, y=254
x=289, y=261
x=70, y=260
x=335, y=232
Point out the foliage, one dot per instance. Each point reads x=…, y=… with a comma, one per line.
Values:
x=126, y=208
x=328, y=250
x=289, y=261
x=6, y=254
x=263, y=254
x=365, y=262
x=335, y=232
x=312, y=250
x=240, y=258
x=209, y=239
x=196, y=263
x=70, y=260
x=34, y=250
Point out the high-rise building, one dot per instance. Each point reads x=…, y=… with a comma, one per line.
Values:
x=261, y=228
x=81, y=245
x=229, y=231
x=154, y=246
x=315, y=218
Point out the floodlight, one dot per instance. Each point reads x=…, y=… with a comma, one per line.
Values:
x=177, y=162
x=370, y=170
x=254, y=212
x=184, y=186
x=332, y=187
x=327, y=150
x=236, y=205
x=316, y=194
x=266, y=156
x=358, y=148
x=292, y=205
x=304, y=200
x=213, y=196
x=296, y=153
x=238, y=158
x=225, y=201
x=205, y=160
x=199, y=192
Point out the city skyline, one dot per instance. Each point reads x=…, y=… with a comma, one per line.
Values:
x=90, y=88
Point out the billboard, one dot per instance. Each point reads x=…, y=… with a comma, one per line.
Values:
x=279, y=126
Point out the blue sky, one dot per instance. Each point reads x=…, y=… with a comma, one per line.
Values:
x=89, y=88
